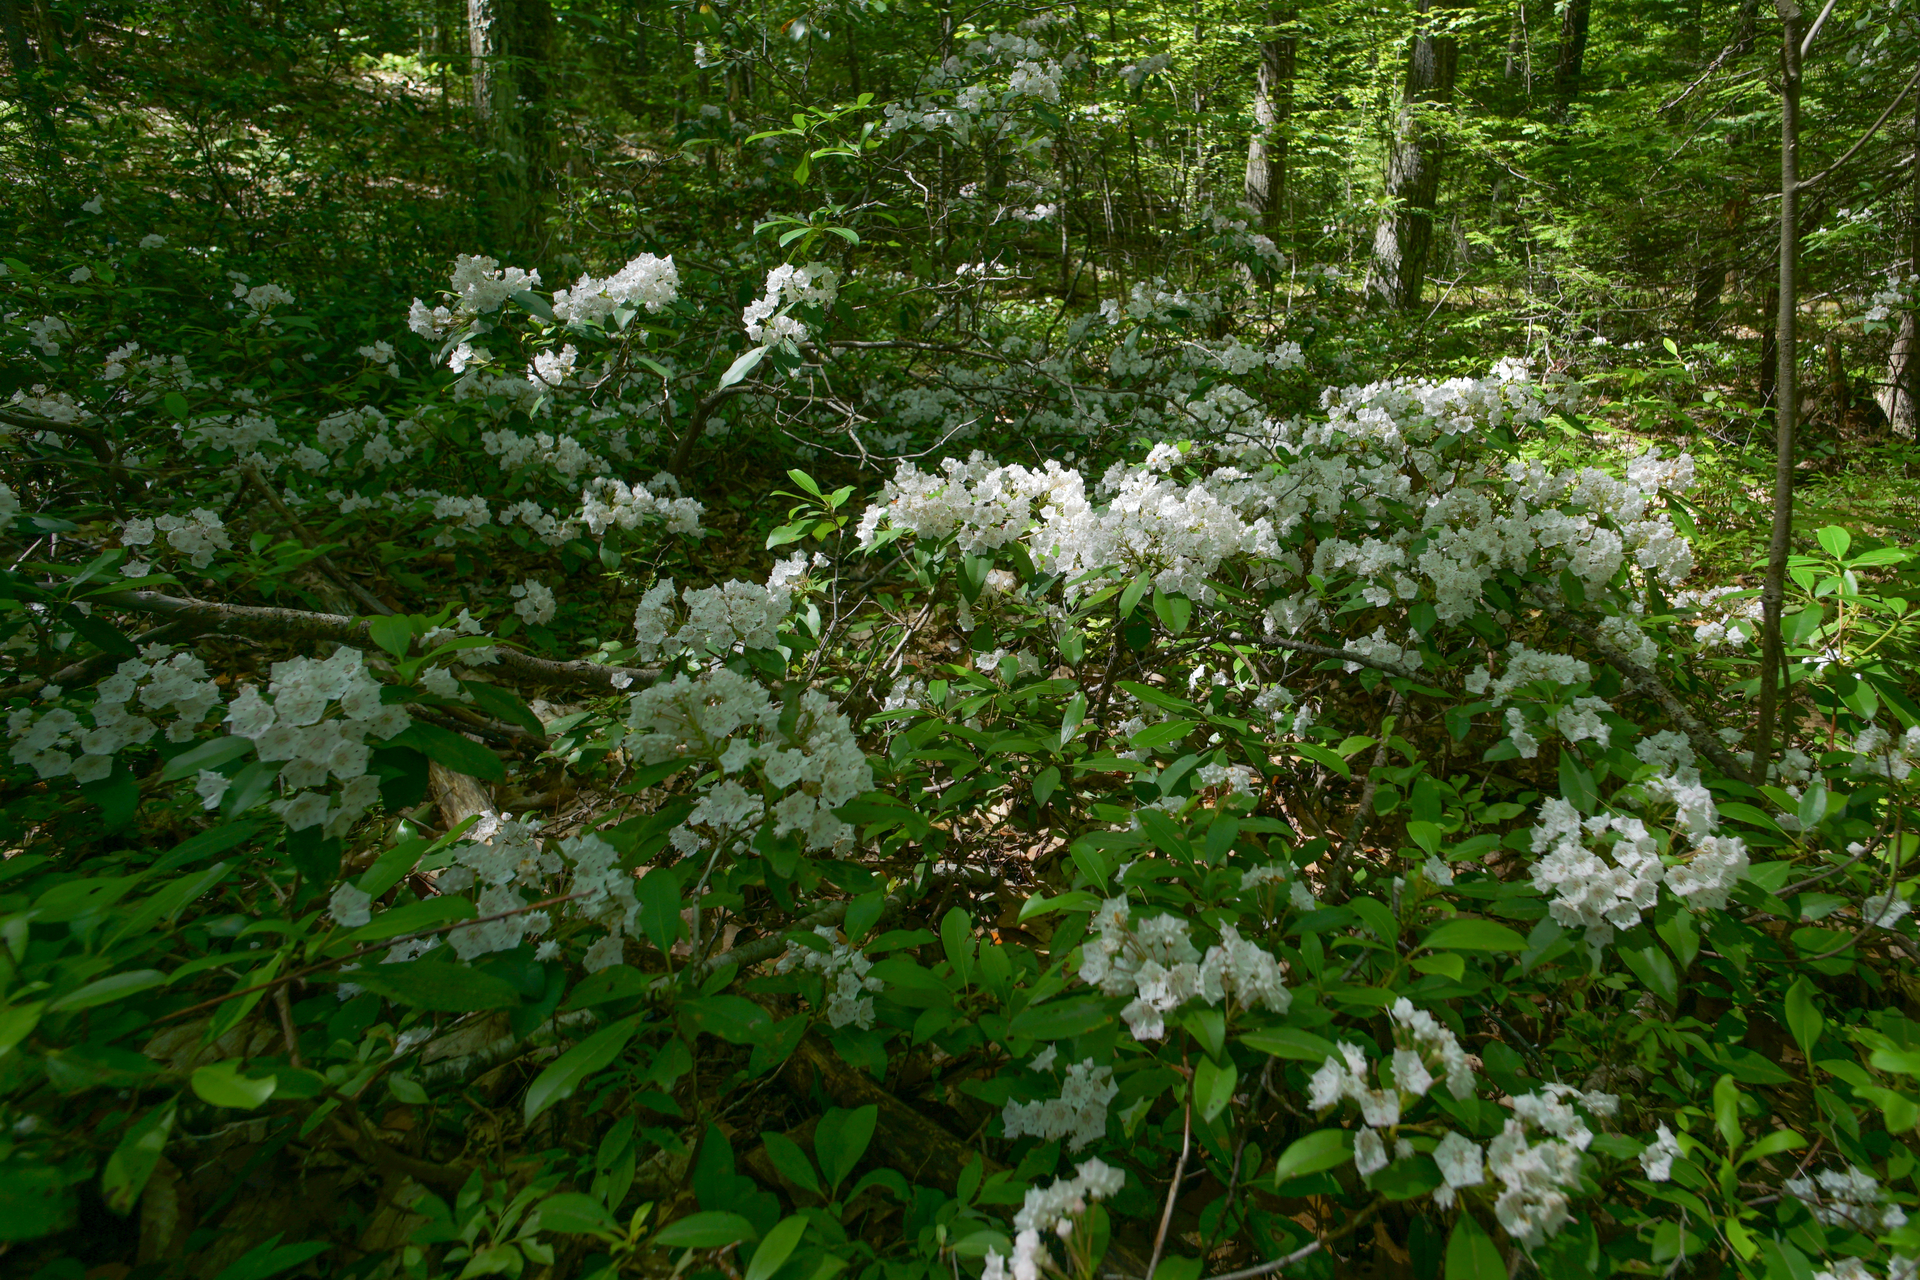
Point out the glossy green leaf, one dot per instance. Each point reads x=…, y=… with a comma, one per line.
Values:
x=568, y=1071
x=1471, y=1253
x=224, y=1085
x=773, y=1252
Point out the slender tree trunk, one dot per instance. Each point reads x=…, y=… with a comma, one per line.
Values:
x=1272, y=115
x=1901, y=396
x=1404, y=239
x=1570, y=63
x=1786, y=398
x=26, y=72
x=511, y=42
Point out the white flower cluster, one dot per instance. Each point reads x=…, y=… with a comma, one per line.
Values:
x=1536, y=1176
x=1848, y=1197
x=1154, y=961
x=1052, y=1211
x=291, y=724
x=646, y=281
x=1599, y=893
x=737, y=613
x=1078, y=1115
x=1656, y=1160
x=770, y=320
x=163, y=680
x=1879, y=753
x=721, y=716
x=848, y=974
x=534, y=602
x=196, y=535
x=480, y=285
x=607, y=503
x=1422, y=1048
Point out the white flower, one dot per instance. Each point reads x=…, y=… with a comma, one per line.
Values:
x=1657, y=1158
x=349, y=907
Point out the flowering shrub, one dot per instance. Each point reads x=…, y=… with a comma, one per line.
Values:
x=1286, y=809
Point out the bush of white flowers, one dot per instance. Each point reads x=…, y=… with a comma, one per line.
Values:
x=1211, y=818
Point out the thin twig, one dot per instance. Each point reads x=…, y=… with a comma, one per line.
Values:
x=1179, y=1176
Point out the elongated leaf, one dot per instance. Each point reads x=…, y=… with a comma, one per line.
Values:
x=132, y=1162
x=443, y=988
x=565, y=1073
x=748, y=361
x=779, y=1245
x=708, y=1230
x=1315, y=1153
x=1471, y=1253
x=223, y=1085
x=573, y=1213
x=840, y=1140
x=1473, y=935
x=1060, y=1019
x=412, y=918
x=101, y=991
x=791, y=1161
x=450, y=749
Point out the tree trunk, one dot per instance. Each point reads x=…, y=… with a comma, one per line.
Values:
x=1900, y=398
x=1272, y=115
x=1570, y=62
x=26, y=71
x=1786, y=400
x=511, y=42
x=1404, y=238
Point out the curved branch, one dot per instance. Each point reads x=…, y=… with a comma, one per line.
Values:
x=274, y=623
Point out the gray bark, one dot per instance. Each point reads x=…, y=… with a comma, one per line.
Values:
x=1900, y=397
x=1570, y=63
x=511, y=43
x=1403, y=241
x=1786, y=394
x=1272, y=114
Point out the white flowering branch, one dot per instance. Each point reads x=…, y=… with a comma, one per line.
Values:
x=1697, y=733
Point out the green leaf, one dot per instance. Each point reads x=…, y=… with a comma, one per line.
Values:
x=840, y=1140
x=113, y=987
x=615, y=982
x=708, y=1230
x=1159, y=735
x=1321, y=756
x=791, y=1161
x=1130, y=598
x=1213, y=1086
x=270, y=1258
x=221, y=1084
x=956, y=939
x=208, y=755
x=659, y=896
x=776, y=1248
x=1576, y=783
x=1835, y=540
x=412, y=918
x=451, y=750
x=133, y=1161
x=1473, y=935
x=1174, y=612
x=1726, y=1110
x=1471, y=1253
x=749, y=361
x=17, y=1023
x=1315, y=1153
x=1290, y=1042
x=1804, y=1019
x=502, y=704
x=392, y=632
x=732, y=1018
x=572, y=1213
x=1059, y=1019
x=565, y=1073
x=34, y=1201
x=435, y=985
x=1651, y=965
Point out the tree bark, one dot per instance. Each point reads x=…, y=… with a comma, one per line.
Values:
x=1570, y=63
x=511, y=42
x=26, y=72
x=1272, y=115
x=1786, y=398
x=1404, y=239
x=1900, y=398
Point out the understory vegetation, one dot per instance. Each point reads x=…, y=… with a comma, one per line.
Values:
x=1148, y=642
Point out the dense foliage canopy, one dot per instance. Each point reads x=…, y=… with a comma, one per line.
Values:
x=759, y=641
